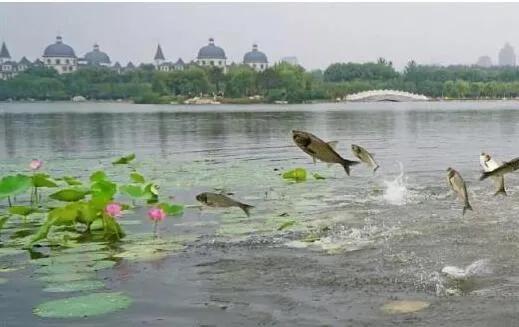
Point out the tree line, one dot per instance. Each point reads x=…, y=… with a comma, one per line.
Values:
x=280, y=82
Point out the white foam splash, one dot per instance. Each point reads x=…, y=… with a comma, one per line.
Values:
x=396, y=190
x=476, y=269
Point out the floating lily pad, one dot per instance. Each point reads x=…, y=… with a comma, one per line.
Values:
x=82, y=247
x=71, y=258
x=74, y=286
x=76, y=267
x=83, y=306
x=67, y=277
x=145, y=253
x=404, y=306
x=298, y=175
x=124, y=160
x=10, y=251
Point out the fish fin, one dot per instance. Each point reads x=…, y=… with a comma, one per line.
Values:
x=467, y=207
x=485, y=175
x=315, y=160
x=375, y=169
x=347, y=164
x=501, y=191
x=333, y=144
x=246, y=208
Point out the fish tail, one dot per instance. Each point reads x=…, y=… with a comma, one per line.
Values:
x=501, y=191
x=246, y=208
x=347, y=164
x=485, y=175
x=467, y=207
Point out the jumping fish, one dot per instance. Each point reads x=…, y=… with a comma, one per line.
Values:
x=222, y=201
x=458, y=185
x=318, y=149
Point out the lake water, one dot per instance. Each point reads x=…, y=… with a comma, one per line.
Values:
x=353, y=243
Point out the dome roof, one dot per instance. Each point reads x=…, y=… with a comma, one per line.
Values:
x=211, y=51
x=97, y=57
x=59, y=49
x=255, y=56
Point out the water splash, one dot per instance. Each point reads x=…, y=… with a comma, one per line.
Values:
x=396, y=190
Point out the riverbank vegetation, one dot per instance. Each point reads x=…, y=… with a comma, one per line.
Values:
x=280, y=82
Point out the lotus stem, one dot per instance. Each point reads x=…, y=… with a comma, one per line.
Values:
x=155, y=229
x=9, y=201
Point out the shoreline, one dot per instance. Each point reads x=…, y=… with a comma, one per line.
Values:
x=253, y=102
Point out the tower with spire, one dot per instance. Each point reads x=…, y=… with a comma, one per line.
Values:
x=159, y=57
x=4, y=54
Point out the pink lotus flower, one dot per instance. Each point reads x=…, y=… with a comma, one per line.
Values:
x=156, y=214
x=35, y=164
x=113, y=209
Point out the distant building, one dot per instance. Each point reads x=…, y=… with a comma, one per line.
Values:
x=159, y=57
x=117, y=67
x=8, y=67
x=179, y=64
x=24, y=64
x=60, y=56
x=165, y=66
x=290, y=60
x=484, y=61
x=212, y=56
x=38, y=63
x=507, y=56
x=96, y=57
x=130, y=66
x=256, y=59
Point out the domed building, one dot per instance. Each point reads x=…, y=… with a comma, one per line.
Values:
x=256, y=59
x=97, y=57
x=212, y=56
x=60, y=56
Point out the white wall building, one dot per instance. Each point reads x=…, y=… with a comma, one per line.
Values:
x=212, y=56
x=256, y=59
x=60, y=56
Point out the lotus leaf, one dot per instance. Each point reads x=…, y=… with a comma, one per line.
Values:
x=83, y=306
x=14, y=185
x=124, y=160
x=74, y=286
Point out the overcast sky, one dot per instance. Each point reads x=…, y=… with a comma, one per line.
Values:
x=318, y=34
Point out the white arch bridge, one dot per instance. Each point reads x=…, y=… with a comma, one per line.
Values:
x=385, y=95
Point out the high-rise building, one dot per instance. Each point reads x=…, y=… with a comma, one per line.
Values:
x=507, y=56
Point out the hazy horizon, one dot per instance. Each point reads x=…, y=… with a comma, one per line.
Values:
x=317, y=34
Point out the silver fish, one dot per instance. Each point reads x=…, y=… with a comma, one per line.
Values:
x=458, y=185
x=505, y=168
x=318, y=149
x=222, y=201
x=364, y=156
x=489, y=164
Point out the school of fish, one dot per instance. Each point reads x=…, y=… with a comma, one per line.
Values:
x=323, y=151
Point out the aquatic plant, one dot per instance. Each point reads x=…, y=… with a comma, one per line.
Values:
x=300, y=175
x=156, y=214
x=84, y=204
x=297, y=175
x=35, y=164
